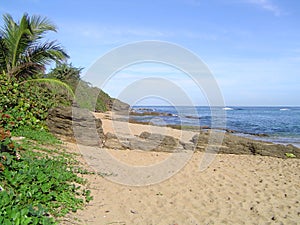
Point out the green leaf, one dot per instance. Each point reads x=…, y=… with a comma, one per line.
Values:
x=290, y=155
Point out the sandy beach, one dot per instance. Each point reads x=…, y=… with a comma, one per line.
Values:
x=234, y=189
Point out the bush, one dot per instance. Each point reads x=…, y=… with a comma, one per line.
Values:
x=27, y=103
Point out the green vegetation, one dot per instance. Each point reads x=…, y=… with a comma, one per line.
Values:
x=39, y=180
x=25, y=104
x=38, y=184
x=92, y=98
x=39, y=136
x=87, y=96
x=290, y=155
x=66, y=73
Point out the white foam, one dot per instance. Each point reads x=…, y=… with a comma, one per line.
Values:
x=227, y=108
x=284, y=109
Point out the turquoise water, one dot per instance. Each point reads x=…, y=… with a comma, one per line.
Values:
x=281, y=124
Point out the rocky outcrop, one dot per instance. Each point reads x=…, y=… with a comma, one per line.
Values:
x=80, y=125
x=117, y=105
x=76, y=124
x=243, y=146
x=155, y=142
x=145, y=141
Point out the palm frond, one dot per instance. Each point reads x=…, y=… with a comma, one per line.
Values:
x=24, y=70
x=41, y=25
x=3, y=58
x=45, y=53
x=16, y=38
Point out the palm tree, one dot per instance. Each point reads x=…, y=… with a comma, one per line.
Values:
x=22, y=52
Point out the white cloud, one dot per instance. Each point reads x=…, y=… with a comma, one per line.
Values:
x=266, y=5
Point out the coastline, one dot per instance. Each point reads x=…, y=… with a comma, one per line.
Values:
x=276, y=124
x=234, y=189
x=233, y=142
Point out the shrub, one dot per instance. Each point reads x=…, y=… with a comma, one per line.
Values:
x=27, y=103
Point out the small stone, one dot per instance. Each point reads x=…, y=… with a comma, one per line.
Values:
x=133, y=211
x=273, y=218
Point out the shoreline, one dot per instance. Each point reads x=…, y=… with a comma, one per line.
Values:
x=262, y=137
x=251, y=122
x=231, y=143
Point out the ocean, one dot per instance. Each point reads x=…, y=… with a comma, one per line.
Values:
x=274, y=124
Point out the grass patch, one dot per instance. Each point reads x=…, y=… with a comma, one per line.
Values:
x=40, y=136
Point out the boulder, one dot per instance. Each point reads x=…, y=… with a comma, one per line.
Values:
x=145, y=142
x=156, y=142
x=76, y=124
x=114, y=142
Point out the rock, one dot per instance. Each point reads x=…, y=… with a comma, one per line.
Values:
x=113, y=142
x=118, y=105
x=140, y=144
x=109, y=135
x=145, y=142
x=156, y=142
x=233, y=144
x=187, y=146
x=17, y=138
x=76, y=124
x=200, y=140
x=230, y=131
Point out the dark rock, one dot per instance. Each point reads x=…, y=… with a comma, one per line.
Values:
x=230, y=131
x=257, y=134
x=193, y=117
x=76, y=124
x=233, y=144
x=149, y=113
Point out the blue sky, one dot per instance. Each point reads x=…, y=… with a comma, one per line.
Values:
x=252, y=47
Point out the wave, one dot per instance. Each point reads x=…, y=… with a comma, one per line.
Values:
x=284, y=109
x=227, y=108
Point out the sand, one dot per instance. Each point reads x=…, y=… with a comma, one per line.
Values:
x=234, y=189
